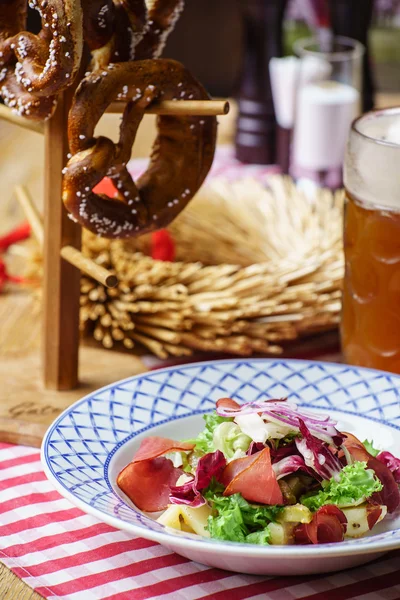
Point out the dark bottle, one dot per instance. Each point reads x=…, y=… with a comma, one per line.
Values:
x=256, y=124
x=352, y=18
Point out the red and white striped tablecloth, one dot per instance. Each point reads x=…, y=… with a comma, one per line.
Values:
x=63, y=553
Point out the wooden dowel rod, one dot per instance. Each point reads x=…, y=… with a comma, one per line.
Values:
x=72, y=255
x=200, y=108
x=88, y=266
x=181, y=107
x=7, y=115
x=31, y=212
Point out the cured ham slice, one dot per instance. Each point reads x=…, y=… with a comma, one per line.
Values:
x=152, y=447
x=148, y=483
x=373, y=514
x=228, y=403
x=328, y=525
x=148, y=479
x=254, y=478
x=389, y=496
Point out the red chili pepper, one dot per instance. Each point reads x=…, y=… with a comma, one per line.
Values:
x=162, y=246
x=22, y=232
x=5, y=276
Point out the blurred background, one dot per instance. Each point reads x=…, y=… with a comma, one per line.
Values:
x=209, y=36
x=227, y=45
x=209, y=39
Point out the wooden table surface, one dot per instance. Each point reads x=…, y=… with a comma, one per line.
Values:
x=27, y=169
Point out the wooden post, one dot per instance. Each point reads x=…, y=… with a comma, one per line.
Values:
x=61, y=279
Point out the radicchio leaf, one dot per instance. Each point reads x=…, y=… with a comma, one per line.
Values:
x=389, y=496
x=208, y=466
x=290, y=464
x=316, y=454
x=392, y=463
x=255, y=447
x=281, y=452
x=186, y=494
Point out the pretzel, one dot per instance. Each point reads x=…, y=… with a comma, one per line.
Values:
x=121, y=30
x=35, y=68
x=130, y=25
x=98, y=22
x=163, y=15
x=182, y=154
x=112, y=29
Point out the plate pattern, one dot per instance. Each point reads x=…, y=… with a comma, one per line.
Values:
x=78, y=447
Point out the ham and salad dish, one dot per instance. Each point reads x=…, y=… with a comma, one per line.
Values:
x=265, y=472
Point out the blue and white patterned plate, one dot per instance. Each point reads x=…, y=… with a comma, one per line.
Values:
x=90, y=442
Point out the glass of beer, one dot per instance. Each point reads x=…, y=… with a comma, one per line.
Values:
x=370, y=327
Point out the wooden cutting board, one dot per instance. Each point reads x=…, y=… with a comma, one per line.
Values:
x=26, y=408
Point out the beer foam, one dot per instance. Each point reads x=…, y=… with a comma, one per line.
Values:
x=393, y=132
x=372, y=164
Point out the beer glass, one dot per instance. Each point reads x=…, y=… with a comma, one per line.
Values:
x=370, y=327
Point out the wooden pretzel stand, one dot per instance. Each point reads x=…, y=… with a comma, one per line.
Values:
x=60, y=239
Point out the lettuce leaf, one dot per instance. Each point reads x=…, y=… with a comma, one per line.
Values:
x=230, y=439
x=370, y=448
x=214, y=489
x=355, y=483
x=204, y=442
x=262, y=537
x=235, y=520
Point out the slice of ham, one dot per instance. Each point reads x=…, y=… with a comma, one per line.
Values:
x=373, y=514
x=152, y=447
x=148, y=479
x=328, y=525
x=148, y=483
x=390, y=494
x=228, y=403
x=254, y=478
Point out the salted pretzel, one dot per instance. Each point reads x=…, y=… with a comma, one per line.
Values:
x=112, y=29
x=35, y=68
x=122, y=30
x=163, y=14
x=182, y=154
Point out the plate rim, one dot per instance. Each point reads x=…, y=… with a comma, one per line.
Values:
x=291, y=552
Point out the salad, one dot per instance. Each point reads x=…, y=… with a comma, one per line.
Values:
x=265, y=472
